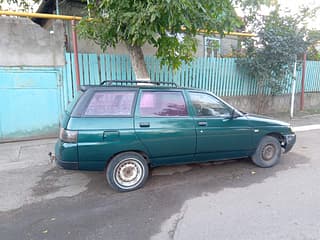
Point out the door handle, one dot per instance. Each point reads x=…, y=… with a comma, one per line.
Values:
x=144, y=124
x=202, y=123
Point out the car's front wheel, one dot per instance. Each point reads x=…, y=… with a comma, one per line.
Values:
x=267, y=153
x=127, y=171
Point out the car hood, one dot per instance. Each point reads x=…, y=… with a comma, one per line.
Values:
x=265, y=120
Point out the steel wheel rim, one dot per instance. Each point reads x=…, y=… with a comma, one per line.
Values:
x=128, y=173
x=268, y=152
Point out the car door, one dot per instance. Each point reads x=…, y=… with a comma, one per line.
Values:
x=219, y=135
x=164, y=126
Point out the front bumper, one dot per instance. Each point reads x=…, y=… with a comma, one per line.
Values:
x=289, y=141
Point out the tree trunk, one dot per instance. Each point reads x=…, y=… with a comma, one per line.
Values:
x=138, y=63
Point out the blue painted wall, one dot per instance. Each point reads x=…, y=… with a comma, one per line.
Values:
x=30, y=102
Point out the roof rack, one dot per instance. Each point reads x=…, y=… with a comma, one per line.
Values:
x=110, y=82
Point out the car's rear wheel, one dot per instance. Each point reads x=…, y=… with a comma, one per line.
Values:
x=267, y=153
x=127, y=171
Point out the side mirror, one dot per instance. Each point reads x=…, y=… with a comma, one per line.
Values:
x=233, y=114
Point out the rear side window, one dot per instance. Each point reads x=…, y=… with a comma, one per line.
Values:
x=110, y=103
x=162, y=104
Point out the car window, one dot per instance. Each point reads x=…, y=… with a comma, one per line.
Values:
x=110, y=103
x=162, y=104
x=207, y=105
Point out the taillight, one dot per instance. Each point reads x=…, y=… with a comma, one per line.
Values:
x=68, y=136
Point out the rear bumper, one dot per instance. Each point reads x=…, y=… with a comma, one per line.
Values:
x=66, y=155
x=68, y=165
x=290, y=140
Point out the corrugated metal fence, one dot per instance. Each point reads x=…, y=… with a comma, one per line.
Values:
x=219, y=75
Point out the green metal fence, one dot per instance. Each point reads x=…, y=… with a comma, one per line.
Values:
x=219, y=75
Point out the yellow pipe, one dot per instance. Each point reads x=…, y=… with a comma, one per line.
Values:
x=40, y=15
x=69, y=18
x=238, y=34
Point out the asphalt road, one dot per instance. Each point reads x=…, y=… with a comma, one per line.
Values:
x=233, y=200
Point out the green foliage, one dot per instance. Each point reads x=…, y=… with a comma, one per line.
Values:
x=313, y=54
x=271, y=56
x=314, y=38
x=157, y=22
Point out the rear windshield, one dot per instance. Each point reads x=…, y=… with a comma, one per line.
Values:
x=106, y=103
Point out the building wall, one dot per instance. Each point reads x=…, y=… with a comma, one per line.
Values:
x=228, y=43
x=24, y=43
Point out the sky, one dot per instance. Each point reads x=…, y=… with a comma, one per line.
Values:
x=293, y=5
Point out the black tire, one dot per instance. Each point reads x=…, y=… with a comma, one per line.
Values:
x=267, y=153
x=127, y=171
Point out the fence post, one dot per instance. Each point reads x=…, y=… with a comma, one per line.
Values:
x=75, y=52
x=293, y=88
x=302, y=81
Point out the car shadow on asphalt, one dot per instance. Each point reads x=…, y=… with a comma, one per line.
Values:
x=205, y=177
x=211, y=177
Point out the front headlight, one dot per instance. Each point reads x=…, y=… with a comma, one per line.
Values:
x=291, y=129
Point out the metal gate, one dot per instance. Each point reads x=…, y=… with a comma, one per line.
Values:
x=30, y=102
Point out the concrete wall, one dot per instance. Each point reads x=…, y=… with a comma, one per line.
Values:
x=24, y=43
x=311, y=101
x=276, y=104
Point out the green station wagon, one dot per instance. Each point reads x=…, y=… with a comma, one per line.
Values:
x=125, y=130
